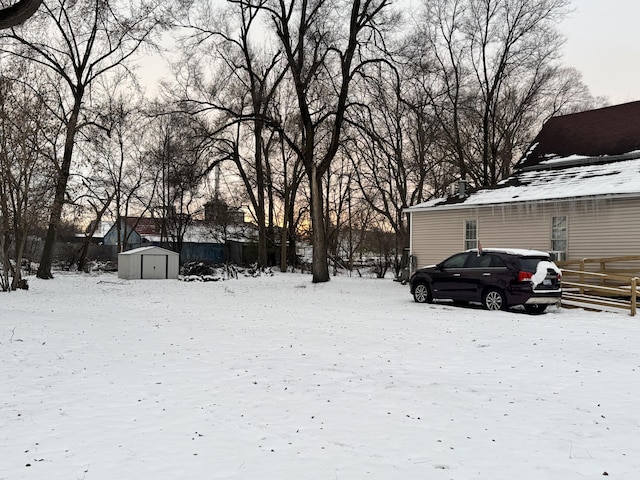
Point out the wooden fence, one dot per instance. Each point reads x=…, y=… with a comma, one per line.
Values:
x=601, y=283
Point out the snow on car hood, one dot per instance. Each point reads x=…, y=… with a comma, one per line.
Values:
x=541, y=272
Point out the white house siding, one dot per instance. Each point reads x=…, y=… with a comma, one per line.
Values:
x=596, y=228
x=436, y=235
x=612, y=229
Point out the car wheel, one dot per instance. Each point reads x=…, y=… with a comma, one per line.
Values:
x=422, y=293
x=493, y=299
x=535, y=309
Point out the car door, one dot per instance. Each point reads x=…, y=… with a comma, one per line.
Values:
x=449, y=281
x=481, y=271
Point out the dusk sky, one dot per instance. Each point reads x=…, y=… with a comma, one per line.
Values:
x=602, y=42
x=604, y=45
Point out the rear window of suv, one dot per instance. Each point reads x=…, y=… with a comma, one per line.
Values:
x=485, y=260
x=530, y=264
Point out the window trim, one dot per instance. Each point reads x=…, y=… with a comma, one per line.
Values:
x=556, y=253
x=470, y=243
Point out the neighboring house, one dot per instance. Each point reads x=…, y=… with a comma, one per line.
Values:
x=575, y=193
x=98, y=235
x=203, y=241
x=129, y=231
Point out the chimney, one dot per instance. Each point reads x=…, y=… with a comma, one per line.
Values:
x=462, y=188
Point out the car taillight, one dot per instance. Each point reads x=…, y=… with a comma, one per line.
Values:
x=524, y=276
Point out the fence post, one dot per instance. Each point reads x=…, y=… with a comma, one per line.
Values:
x=634, y=294
x=581, y=276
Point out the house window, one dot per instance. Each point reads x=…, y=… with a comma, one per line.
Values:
x=470, y=234
x=559, y=238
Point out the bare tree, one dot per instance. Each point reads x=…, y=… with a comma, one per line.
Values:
x=286, y=178
x=489, y=65
x=512, y=43
x=119, y=179
x=79, y=42
x=181, y=161
x=337, y=186
x=323, y=61
x=391, y=149
x=24, y=166
x=438, y=53
x=240, y=94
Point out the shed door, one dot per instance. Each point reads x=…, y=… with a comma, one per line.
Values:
x=154, y=266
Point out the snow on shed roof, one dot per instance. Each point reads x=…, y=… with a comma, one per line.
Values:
x=608, y=179
x=135, y=251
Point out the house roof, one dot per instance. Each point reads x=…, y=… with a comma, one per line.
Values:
x=103, y=228
x=207, y=232
x=588, y=154
x=144, y=225
x=609, y=179
x=602, y=133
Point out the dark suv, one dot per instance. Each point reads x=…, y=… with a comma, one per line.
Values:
x=497, y=278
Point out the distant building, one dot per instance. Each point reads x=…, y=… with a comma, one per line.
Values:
x=218, y=212
x=203, y=241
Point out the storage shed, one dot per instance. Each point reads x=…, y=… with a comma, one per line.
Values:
x=148, y=263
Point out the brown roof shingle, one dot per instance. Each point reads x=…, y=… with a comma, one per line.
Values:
x=606, y=131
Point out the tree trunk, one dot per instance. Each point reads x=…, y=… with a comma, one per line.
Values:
x=320, y=267
x=5, y=238
x=284, y=229
x=6, y=263
x=283, y=247
x=21, y=242
x=260, y=214
x=44, y=270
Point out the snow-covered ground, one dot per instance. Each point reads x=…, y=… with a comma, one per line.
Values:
x=278, y=378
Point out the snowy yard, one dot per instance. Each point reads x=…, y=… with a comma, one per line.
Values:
x=278, y=378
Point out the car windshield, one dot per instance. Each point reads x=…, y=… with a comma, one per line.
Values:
x=530, y=264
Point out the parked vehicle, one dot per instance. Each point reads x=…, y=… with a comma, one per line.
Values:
x=497, y=278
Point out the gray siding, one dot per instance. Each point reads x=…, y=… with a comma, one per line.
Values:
x=596, y=228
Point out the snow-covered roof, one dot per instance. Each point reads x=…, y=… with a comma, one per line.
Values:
x=605, y=179
x=209, y=233
x=101, y=231
x=136, y=251
x=206, y=232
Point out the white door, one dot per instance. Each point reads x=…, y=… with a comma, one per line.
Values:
x=154, y=266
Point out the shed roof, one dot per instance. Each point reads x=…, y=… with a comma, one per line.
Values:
x=158, y=250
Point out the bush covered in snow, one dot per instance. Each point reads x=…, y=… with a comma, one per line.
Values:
x=201, y=272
